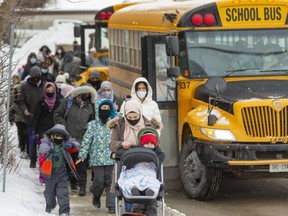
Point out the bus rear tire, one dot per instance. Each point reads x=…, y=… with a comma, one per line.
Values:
x=200, y=182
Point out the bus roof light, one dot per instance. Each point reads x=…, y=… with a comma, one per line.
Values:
x=102, y=15
x=209, y=19
x=197, y=19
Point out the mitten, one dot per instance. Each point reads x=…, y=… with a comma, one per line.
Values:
x=69, y=146
x=54, y=154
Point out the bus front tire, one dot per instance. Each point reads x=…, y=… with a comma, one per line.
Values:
x=200, y=182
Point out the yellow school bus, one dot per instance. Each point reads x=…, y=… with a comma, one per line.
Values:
x=227, y=111
x=98, y=36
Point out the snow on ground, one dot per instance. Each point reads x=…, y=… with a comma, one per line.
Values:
x=23, y=194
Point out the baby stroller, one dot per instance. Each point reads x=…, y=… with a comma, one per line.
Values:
x=129, y=158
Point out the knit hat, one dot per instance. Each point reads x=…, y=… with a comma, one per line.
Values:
x=35, y=70
x=148, y=137
x=94, y=74
x=60, y=79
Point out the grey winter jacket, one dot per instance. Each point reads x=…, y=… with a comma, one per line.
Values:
x=78, y=114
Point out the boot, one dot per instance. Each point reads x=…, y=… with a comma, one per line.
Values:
x=82, y=191
x=74, y=188
x=32, y=164
x=96, y=202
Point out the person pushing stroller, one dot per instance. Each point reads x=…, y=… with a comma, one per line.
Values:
x=141, y=179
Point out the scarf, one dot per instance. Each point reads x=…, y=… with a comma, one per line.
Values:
x=49, y=101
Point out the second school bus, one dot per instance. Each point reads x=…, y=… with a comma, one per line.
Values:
x=227, y=111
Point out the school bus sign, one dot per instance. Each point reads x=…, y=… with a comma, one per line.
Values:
x=251, y=15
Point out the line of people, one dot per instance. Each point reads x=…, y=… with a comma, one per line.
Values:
x=68, y=128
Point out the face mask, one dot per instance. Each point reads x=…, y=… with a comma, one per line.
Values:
x=58, y=141
x=50, y=94
x=267, y=58
x=104, y=115
x=85, y=97
x=44, y=71
x=35, y=79
x=59, y=51
x=33, y=60
x=107, y=95
x=95, y=83
x=141, y=94
x=58, y=85
x=133, y=122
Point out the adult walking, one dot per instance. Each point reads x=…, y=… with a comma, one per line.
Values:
x=28, y=100
x=75, y=112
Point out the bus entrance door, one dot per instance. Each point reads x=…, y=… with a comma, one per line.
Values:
x=154, y=68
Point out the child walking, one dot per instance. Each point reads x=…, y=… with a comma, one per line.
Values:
x=96, y=142
x=142, y=178
x=56, y=162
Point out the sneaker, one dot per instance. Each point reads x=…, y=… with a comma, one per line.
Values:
x=82, y=191
x=135, y=191
x=65, y=214
x=149, y=192
x=96, y=202
x=74, y=188
x=32, y=164
x=43, y=184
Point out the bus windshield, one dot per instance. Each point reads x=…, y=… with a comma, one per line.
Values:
x=234, y=53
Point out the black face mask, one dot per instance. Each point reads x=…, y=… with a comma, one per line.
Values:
x=85, y=97
x=58, y=141
x=50, y=94
x=104, y=115
x=133, y=122
x=95, y=83
x=35, y=79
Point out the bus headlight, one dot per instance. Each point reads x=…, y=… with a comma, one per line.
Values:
x=217, y=134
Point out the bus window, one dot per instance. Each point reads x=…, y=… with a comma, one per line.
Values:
x=165, y=87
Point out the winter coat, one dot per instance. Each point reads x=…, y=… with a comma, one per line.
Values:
x=149, y=106
x=46, y=160
x=117, y=125
x=78, y=115
x=29, y=100
x=70, y=64
x=15, y=115
x=44, y=116
x=96, y=140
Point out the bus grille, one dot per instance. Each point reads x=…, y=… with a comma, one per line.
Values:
x=264, y=121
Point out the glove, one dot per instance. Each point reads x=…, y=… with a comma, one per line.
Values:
x=54, y=154
x=69, y=146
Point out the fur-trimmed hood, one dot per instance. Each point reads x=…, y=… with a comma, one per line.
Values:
x=155, y=124
x=85, y=89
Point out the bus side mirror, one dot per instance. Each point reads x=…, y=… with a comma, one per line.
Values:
x=77, y=31
x=173, y=72
x=172, y=46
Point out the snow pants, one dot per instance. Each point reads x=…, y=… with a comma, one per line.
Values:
x=32, y=144
x=102, y=181
x=56, y=186
x=22, y=136
x=149, y=208
x=81, y=170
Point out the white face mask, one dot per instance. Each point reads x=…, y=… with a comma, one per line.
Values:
x=141, y=94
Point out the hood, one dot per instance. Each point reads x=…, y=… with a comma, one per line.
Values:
x=58, y=128
x=245, y=90
x=100, y=91
x=99, y=103
x=150, y=91
x=84, y=89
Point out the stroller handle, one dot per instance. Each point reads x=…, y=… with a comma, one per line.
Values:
x=117, y=155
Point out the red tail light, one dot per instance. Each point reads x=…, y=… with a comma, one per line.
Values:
x=197, y=19
x=102, y=15
x=108, y=15
x=209, y=19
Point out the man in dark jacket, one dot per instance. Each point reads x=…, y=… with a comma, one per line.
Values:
x=28, y=100
x=75, y=113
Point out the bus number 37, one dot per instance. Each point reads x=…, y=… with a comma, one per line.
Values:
x=184, y=85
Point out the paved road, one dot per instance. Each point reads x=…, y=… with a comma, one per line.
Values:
x=265, y=197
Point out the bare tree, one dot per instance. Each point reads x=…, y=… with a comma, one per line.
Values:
x=12, y=12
